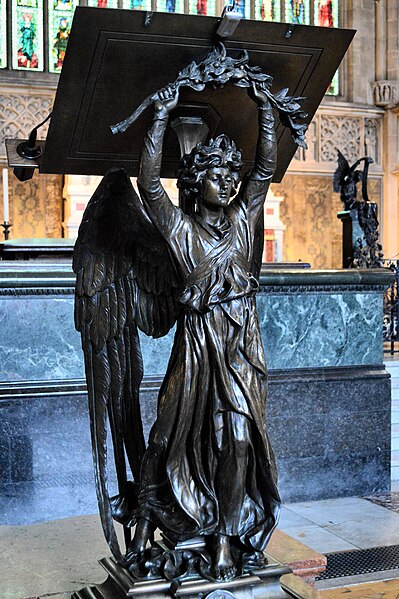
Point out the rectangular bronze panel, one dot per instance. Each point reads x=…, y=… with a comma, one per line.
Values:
x=114, y=61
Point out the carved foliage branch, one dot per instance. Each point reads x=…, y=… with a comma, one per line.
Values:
x=217, y=69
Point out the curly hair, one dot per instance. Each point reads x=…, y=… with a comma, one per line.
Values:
x=221, y=152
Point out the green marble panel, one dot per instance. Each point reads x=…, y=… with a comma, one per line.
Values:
x=318, y=330
x=308, y=320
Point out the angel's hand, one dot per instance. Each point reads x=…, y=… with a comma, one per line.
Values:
x=259, y=96
x=166, y=100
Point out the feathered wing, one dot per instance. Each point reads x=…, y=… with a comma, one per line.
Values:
x=125, y=281
x=343, y=170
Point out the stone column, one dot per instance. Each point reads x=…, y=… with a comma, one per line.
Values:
x=78, y=190
x=391, y=185
x=386, y=96
x=380, y=40
x=274, y=228
x=383, y=88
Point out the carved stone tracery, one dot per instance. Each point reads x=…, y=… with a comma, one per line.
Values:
x=339, y=132
x=20, y=112
x=351, y=134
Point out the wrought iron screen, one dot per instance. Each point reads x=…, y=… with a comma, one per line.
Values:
x=391, y=311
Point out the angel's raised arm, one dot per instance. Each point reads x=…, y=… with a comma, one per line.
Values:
x=162, y=212
x=254, y=188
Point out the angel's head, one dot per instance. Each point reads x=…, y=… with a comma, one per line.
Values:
x=210, y=173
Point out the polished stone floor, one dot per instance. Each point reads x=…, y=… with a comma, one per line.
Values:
x=51, y=559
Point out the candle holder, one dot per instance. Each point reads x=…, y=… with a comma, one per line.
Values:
x=6, y=226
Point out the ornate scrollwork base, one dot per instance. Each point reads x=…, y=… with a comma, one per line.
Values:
x=187, y=559
x=262, y=583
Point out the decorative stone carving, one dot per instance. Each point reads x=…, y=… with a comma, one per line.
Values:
x=372, y=135
x=36, y=206
x=340, y=132
x=20, y=112
x=351, y=134
x=311, y=153
x=384, y=93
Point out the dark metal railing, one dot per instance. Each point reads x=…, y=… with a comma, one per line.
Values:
x=391, y=310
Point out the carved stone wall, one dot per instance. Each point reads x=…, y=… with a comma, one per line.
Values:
x=309, y=211
x=20, y=111
x=355, y=132
x=35, y=205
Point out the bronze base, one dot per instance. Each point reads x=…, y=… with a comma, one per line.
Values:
x=259, y=584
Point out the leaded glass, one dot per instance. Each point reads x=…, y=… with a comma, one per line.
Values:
x=244, y=7
x=3, y=35
x=326, y=13
x=137, y=4
x=297, y=11
x=60, y=22
x=267, y=10
x=27, y=34
x=333, y=88
x=202, y=7
x=170, y=6
x=103, y=3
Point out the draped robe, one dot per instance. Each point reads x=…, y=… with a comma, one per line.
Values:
x=209, y=467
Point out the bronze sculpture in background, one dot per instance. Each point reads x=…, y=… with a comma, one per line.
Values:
x=364, y=250
x=208, y=470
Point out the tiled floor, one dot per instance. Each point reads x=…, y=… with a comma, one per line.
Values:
x=340, y=524
x=54, y=558
x=385, y=589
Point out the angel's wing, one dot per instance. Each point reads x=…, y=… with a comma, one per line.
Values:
x=343, y=170
x=125, y=281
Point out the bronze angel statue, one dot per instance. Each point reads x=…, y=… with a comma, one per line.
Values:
x=208, y=469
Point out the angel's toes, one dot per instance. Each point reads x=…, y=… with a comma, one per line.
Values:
x=225, y=573
x=132, y=557
x=230, y=573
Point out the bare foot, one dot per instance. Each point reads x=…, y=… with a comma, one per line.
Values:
x=224, y=568
x=143, y=532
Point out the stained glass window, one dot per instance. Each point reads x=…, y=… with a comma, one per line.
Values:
x=60, y=22
x=297, y=11
x=3, y=34
x=137, y=4
x=326, y=15
x=267, y=10
x=202, y=7
x=27, y=46
x=170, y=5
x=103, y=3
x=28, y=19
x=244, y=7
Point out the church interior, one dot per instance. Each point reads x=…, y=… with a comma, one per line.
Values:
x=333, y=371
